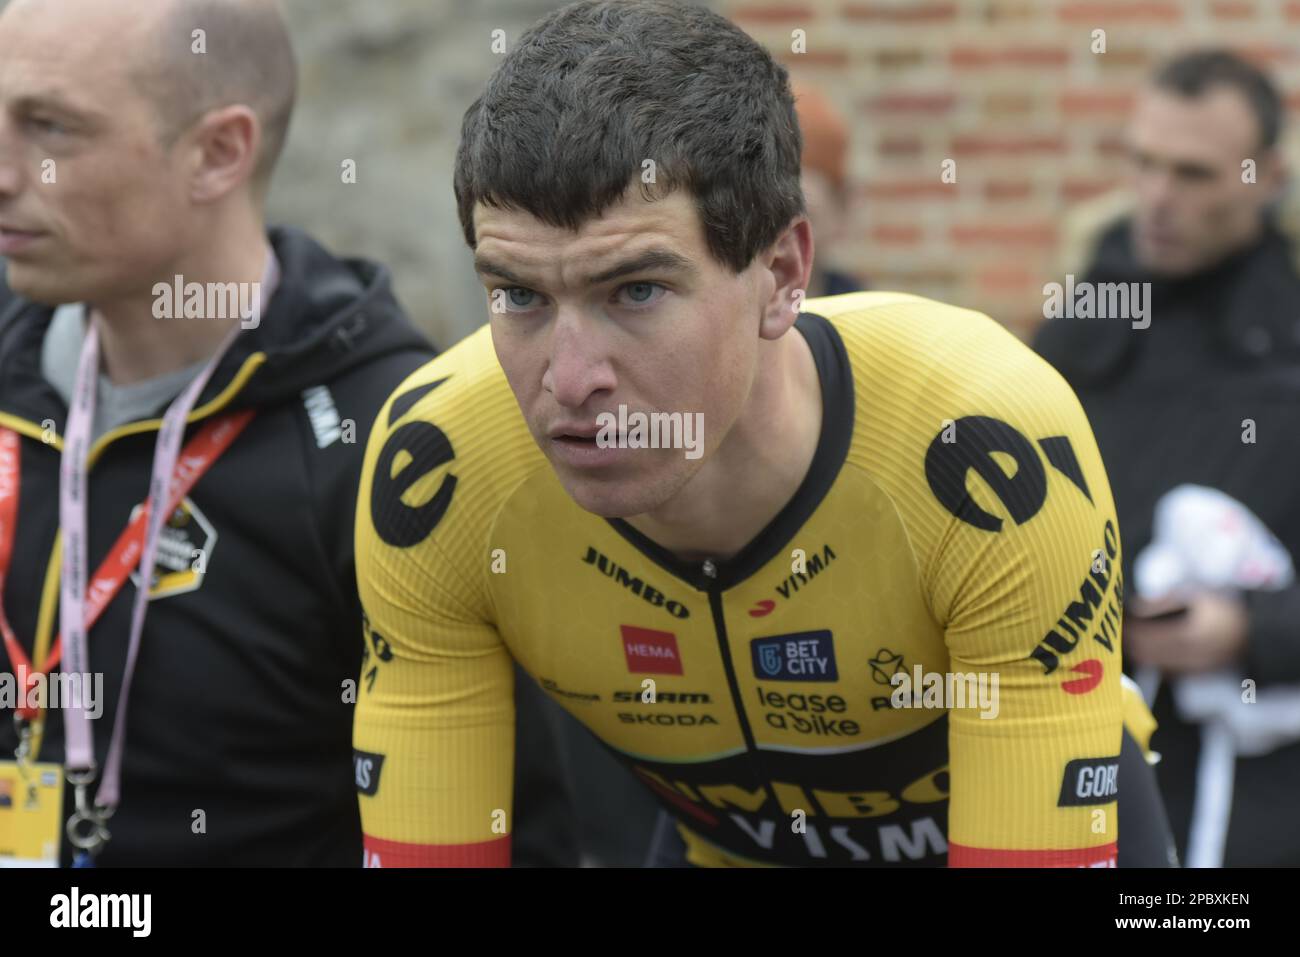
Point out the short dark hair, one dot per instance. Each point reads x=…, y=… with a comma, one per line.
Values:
x=1193, y=74
x=599, y=86
x=249, y=59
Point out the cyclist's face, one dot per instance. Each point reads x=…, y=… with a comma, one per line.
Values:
x=629, y=311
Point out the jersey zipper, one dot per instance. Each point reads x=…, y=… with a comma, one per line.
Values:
x=710, y=571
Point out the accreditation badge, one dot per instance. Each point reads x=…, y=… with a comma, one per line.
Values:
x=31, y=814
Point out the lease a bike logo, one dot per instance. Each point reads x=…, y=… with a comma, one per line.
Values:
x=803, y=656
x=970, y=444
x=885, y=665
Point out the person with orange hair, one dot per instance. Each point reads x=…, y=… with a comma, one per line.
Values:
x=825, y=185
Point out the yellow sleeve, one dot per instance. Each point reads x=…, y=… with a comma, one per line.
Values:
x=433, y=737
x=1025, y=581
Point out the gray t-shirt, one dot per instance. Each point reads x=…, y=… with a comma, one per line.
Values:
x=115, y=405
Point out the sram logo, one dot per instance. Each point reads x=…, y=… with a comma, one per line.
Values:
x=663, y=697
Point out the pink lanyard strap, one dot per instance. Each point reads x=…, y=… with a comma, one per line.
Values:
x=79, y=747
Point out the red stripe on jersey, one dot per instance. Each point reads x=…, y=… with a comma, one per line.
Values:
x=1101, y=856
x=382, y=853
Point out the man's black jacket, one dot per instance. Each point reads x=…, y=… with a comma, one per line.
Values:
x=240, y=706
x=1208, y=394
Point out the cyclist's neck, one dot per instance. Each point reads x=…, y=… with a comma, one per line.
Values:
x=757, y=469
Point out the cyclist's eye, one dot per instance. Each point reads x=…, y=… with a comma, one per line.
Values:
x=640, y=293
x=518, y=297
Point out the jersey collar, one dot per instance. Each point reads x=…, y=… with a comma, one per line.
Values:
x=836, y=376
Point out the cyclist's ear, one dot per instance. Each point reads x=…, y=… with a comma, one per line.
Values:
x=789, y=262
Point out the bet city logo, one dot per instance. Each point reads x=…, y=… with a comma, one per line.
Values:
x=801, y=656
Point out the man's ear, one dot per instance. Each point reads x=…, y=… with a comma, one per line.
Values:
x=789, y=260
x=225, y=146
x=1273, y=172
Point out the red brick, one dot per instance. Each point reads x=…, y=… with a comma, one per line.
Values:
x=907, y=280
x=1233, y=10
x=1077, y=190
x=771, y=13
x=1265, y=55
x=965, y=57
x=1001, y=280
x=999, y=11
x=1114, y=103
x=1293, y=102
x=910, y=189
x=1007, y=190
x=900, y=146
x=899, y=13
x=1292, y=11
x=901, y=59
x=1002, y=234
x=1102, y=13
x=1009, y=104
x=1131, y=58
x=897, y=234
x=928, y=103
x=1112, y=146
x=982, y=145
x=812, y=58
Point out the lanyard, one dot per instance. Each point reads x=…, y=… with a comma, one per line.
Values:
x=79, y=747
x=198, y=456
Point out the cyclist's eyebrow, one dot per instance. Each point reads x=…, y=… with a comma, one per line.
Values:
x=487, y=267
x=658, y=260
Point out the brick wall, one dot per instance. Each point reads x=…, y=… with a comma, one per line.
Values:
x=1012, y=92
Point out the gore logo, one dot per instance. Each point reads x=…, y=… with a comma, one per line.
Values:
x=804, y=656
x=1090, y=781
x=650, y=652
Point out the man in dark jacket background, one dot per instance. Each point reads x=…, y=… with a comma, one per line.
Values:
x=1207, y=394
x=137, y=142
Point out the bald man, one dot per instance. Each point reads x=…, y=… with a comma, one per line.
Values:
x=137, y=143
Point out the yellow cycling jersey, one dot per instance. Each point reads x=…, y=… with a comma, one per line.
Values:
x=917, y=662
